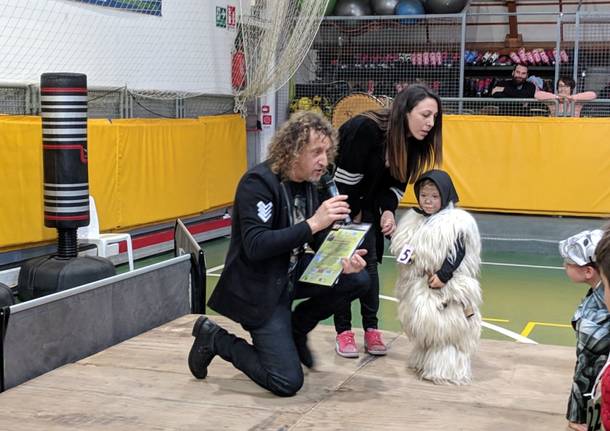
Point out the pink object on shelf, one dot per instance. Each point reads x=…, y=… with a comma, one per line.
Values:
x=515, y=58
x=536, y=55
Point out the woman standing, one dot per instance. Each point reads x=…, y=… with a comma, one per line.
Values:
x=380, y=152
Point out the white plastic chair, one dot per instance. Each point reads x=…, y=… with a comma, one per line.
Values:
x=92, y=235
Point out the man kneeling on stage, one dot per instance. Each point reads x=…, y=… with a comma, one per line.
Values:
x=276, y=217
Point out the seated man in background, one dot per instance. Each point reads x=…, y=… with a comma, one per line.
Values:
x=516, y=88
x=276, y=216
x=567, y=100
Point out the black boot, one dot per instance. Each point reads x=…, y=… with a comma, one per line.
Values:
x=202, y=352
x=305, y=356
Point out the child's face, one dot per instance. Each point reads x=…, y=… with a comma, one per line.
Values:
x=575, y=273
x=581, y=274
x=429, y=199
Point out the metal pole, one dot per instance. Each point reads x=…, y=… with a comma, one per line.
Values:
x=558, y=50
x=462, y=61
x=576, y=49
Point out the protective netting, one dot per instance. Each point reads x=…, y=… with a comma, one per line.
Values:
x=361, y=63
x=180, y=51
x=274, y=37
x=592, y=67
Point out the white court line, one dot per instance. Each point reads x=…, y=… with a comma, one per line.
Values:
x=214, y=269
x=517, y=337
x=501, y=330
x=519, y=265
x=388, y=298
x=498, y=238
x=516, y=265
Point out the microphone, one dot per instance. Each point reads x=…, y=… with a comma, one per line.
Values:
x=328, y=182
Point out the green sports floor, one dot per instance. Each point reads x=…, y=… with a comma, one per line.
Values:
x=525, y=290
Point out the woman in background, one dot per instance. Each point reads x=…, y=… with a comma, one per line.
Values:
x=564, y=97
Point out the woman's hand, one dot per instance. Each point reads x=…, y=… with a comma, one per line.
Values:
x=387, y=223
x=355, y=263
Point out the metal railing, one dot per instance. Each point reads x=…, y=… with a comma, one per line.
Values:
x=118, y=103
x=378, y=56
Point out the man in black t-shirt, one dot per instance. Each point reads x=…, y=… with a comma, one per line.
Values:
x=516, y=88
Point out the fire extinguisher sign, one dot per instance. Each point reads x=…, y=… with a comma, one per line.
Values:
x=266, y=118
x=231, y=17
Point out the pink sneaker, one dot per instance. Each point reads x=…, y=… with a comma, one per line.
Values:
x=373, y=343
x=346, y=345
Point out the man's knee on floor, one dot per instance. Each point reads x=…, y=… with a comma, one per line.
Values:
x=286, y=386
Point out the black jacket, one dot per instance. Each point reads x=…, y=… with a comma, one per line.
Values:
x=256, y=267
x=513, y=91
x=361, y=173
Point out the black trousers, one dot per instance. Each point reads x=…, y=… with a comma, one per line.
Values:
x=369, y=300
x=272, y=360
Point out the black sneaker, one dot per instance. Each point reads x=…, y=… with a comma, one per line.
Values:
x=202, y=352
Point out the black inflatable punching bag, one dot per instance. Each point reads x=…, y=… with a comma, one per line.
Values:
x=6, y=296
x=63, y=99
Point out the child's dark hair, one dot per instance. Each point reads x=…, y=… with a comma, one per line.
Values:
x=427, y=182
x=602, y=253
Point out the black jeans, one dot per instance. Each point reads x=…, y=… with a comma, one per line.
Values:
x=272, y=360
x=369, y=300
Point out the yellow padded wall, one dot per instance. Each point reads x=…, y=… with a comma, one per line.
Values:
x=225, y=138
x=528, y=165
x=21, y=212
x=161, y=165
x=140, y=171
x=103, y=152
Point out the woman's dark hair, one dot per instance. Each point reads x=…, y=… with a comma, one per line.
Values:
x=567, y=81
x=407, y=156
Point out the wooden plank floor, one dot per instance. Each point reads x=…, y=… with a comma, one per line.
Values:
x=144, y=384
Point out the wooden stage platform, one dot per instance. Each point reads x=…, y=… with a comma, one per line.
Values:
x=144, y=384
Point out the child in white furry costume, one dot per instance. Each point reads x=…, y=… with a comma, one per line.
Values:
x=438, y=288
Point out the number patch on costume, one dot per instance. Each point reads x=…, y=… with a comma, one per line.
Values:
x=405, y=255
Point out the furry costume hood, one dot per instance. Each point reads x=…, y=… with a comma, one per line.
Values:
x=443, y=183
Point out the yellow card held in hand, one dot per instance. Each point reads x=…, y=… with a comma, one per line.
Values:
x=325, y=267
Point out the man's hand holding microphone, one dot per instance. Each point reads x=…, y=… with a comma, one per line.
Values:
x=335, y=209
